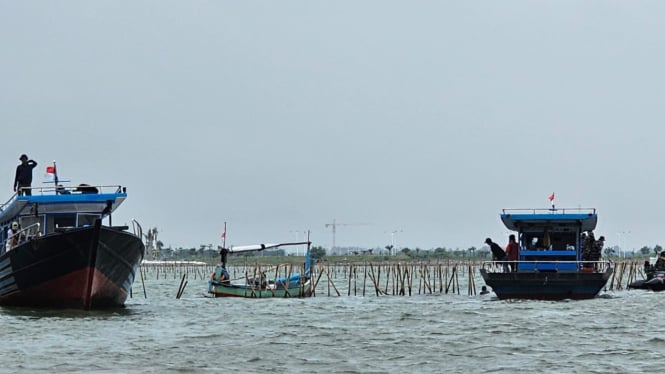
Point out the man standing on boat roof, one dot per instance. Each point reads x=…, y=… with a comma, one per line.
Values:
x=497, y=253
x=23, y=178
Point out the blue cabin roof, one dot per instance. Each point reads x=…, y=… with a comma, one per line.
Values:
x=519, y=219
x=48, y=209
x=104, y=201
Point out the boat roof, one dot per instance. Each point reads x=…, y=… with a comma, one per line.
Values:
x=518, y=219
x=260, y=247
x=104, y=201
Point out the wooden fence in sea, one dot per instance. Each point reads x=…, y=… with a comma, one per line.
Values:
x=367, y=279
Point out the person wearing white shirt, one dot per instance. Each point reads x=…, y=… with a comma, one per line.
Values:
x=12, y=236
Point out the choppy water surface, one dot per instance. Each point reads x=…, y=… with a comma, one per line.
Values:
x=617, y=332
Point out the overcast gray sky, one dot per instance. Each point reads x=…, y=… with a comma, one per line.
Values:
x=277, y=117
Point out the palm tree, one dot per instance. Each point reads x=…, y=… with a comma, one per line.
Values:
x=151, y=242
x=472, y=251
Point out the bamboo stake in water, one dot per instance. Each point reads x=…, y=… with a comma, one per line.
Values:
x=331, y=283
x=181, y=288
x=145, y=295
x=387, y=279
x=349, y=275
x=364, y=278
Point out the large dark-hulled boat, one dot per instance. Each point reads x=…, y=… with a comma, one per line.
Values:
x=56, y=252
x=551, y=263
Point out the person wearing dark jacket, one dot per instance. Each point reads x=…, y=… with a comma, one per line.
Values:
x=23, y=178
x=497, y=253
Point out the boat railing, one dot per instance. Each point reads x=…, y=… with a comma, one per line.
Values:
x=136, y=228
x=548, y=266
x=549, y=210
x=11, y=198
x=23, y=235
x=77, y=189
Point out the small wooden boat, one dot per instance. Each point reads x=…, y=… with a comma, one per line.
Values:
x=552, y=264
x=57, y=253
x=258, y=285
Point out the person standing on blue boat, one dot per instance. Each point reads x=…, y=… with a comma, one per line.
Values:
x=512, y=252
x=23, y=178
x=587, y=247
x=12, y=236
x=597, y=251
x=497, y=253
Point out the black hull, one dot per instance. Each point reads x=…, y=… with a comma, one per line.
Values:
x=655, y=284
x=86, y=267
x=546, y=285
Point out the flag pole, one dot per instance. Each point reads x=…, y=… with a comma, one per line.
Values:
x=55, y=175
x=224, y=237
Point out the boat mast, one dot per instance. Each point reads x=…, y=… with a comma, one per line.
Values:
x=224, y=236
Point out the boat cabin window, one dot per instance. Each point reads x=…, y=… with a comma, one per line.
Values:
x=70, y=220
x=87, y=219
x=563, y=240
x=29, y=223
x=60, y=220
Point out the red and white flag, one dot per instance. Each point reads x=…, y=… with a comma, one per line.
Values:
x=223, y=236
x=50, y=174
x=551, y=197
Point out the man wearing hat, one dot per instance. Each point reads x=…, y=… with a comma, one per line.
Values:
x=597, y=249
x=24, y=176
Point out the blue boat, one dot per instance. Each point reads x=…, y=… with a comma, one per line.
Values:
x=56, y=252
x=551, y=265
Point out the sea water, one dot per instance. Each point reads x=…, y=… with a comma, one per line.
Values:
x=617, y=332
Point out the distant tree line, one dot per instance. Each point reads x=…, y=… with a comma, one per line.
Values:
x=207, y=253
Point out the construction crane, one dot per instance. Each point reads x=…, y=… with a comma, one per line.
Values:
x=334, y=229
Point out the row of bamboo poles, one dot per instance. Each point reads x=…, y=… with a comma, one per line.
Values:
x=362, y=279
